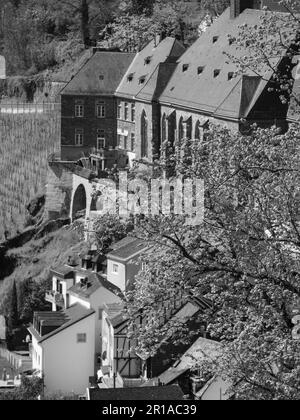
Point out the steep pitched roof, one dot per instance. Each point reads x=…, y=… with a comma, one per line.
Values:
x=145, y=64
x=162, y=393
x=61, y=319
x=101, y=75
x=203, y=79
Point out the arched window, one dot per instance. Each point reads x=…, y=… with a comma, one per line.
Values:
x=189, y=128
x=164, y=128
x=144, y=135
x=198, y=130
x=180, y=130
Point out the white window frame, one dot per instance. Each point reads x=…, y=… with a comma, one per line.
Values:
x=79, y=110
x=115, y=268
x=126, y=111
x=101, y=138
x=132, y=142
x=133, y=116
x=79, y=137
x=119, y=111
x=100, y=106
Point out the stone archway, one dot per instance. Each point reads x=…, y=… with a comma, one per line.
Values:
x=79, y=204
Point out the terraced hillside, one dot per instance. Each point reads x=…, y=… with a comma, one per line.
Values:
x=26, y=141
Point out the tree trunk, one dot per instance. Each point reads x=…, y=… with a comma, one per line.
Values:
x=85, y=20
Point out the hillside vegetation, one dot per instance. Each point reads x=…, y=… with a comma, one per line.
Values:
x=26, y=141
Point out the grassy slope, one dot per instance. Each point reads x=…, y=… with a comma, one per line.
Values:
x=26, y=141
x=35, y=258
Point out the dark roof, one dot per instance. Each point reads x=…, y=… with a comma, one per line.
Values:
x=95, y=282
x=59, y=319
x=168, y=50
x=128, y=249
x=63, y=271
x=162, y=393
x=212, y=93
x=101, y=75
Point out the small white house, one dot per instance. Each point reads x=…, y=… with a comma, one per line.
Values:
x=63, y=349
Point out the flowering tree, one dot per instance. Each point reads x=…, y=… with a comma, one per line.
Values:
x=244, y=258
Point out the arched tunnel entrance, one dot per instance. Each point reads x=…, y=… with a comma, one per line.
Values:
x=79, y=203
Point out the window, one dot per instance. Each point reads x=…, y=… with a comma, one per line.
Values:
x=100, y=139
x=101, y=77
x=115, y=268
x=132, y=142
x=126, y=112
x=200, y=69
x=215, y=39
x=119, y=110
x=230, y=75
x=185, y=67
x=142, y=80
x=125, y=142
x=79, y=109
x=217, y=72
x=148, y=60
x=78, y=137
x=130, y=77
x=120, y=141
x=133, y=112
x=81, y=338
x=100, y=110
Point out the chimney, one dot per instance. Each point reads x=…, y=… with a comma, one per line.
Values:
x=238, y=6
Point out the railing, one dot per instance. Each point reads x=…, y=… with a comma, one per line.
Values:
x=29, y=108
x=19, y=362
x=55, y=297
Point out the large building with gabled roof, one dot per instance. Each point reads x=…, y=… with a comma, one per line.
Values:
x=88, y=112
x=207, y=87
x=138, y=109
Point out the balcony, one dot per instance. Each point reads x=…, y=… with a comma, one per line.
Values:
x=55, y=297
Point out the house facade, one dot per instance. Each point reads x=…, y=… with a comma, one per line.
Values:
x=138, y=111
x=88, y=111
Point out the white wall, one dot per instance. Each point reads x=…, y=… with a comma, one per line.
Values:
x=118, y=279
x=68, y=364
x=37, y=355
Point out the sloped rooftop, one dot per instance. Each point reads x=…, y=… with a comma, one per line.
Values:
x=145, y=64
x=101, y=75
x=204, y=78
x=94, y=282
x=172, y=392
x=48, y=324
x=127, y=249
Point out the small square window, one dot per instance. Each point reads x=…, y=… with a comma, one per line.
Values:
x=215, y=39
x=148, y=60
x=185, y=67
x=81, y=338
x=101, y=77
x=142, y=80
x=115, y=269
x=230, y=75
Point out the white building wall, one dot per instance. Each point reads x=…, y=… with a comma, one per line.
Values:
x=37, y=355
x=68, y=364
x=118, y=279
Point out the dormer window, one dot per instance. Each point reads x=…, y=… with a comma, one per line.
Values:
x=185, y=67
x=200, y=70
x=130, y=77
x=215, y=39
x=230, y=75
x=217, y=73
x=148, y=60
x=142, y=80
